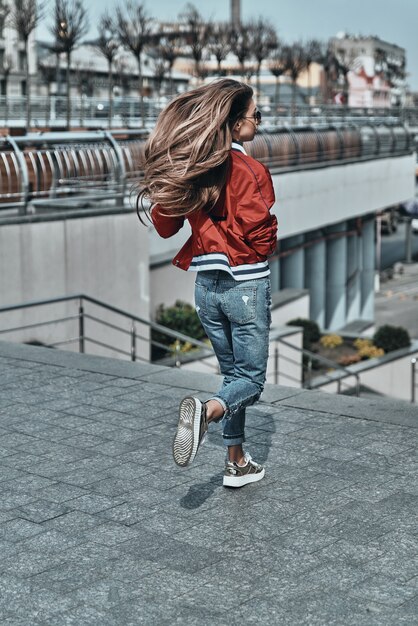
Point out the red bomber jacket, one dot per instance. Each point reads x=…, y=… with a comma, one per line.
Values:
x=240, y=226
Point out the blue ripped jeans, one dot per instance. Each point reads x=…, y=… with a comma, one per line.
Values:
x=236, y=317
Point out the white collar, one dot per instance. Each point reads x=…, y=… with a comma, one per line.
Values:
x=237, y=146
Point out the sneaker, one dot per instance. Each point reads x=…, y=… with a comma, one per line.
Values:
x=239, y=475
x=191, y=430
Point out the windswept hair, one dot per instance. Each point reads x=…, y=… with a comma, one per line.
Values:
x=186, y=155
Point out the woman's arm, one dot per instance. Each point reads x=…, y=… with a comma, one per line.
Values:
x=166, y=225
x=254, y=195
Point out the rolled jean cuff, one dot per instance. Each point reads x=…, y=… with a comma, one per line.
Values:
x=223, y=405
x=235, y=440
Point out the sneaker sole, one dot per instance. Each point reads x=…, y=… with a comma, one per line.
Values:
x=240, y=481
x=186, y=439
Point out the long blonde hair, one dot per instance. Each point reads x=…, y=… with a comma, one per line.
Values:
x=186, y=155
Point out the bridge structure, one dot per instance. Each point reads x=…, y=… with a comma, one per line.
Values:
x=68, y=223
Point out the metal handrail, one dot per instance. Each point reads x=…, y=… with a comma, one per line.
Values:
x=82, y=316
x=82, y=338
x=87, y=109
x=90, y=167
x=328, y=362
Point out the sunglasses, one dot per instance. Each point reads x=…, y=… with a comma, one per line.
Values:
x=256, y=116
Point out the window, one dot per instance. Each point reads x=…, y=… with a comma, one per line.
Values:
x=3, y=89
x=23, y=88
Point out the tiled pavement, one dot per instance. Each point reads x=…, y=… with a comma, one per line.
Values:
x=97, y=525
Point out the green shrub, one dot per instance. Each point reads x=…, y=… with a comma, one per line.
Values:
x=391, y=338
x=311, y=332
x=181, y=317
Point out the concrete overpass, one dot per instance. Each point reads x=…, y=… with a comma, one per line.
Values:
x=326, y=209
x=67, y=224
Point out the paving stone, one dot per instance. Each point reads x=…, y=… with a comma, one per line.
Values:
x=84, y=410
x=103, y=594
x=11, y=500
x=352, y=553
x=26, y=564
x=5, y=516
x=49, y=541
x=40, y=511
x=115, y=448
x=18, y=597
x=328, y=537
x=83, y=440
x=73, y=522
x=402, y=567
x=331, y=608
x=7, y=548
x=94, y=503
x=7, y=474
x=384, y=590
x=26, y=483
x=112, y=534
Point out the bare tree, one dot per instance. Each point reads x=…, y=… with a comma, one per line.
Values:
x=4, y=12
x=24, y=16
x=133, y=27
x=159, y=66
x=263, y=39
x=332, y=70
x=296, y=65
x=69, y=27
x=220, y=43
x=84, y=77
x=241, y=47
x=108, y=45
x=197, y=35
x=313, y=54
x=169, y=49
x=278, y=65
x=122, y=75
x=48, y=75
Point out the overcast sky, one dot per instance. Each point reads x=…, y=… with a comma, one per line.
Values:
x=395, y=21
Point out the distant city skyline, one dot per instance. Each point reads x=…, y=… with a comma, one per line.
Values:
x=302, y=19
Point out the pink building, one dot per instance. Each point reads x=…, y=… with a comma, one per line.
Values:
x=367, y=88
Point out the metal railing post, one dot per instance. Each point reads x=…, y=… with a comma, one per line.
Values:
x=23, y=172
x=121, y=174
x=81, y=327
x=276, y=364
x=413, y=379
x=178, y=347
x=133, y=342
x=309, y=370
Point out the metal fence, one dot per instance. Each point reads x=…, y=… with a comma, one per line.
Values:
x=68, y=169
x=133, y=337
x=85, y=169
x=91, y=112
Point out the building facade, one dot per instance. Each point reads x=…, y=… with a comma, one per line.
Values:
x=376, y=70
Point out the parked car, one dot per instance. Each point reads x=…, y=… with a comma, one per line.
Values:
x=414, y=224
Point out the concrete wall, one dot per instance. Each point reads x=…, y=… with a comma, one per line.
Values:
x=288, y=307
x=104, y=256
x=168, y=284
x=306, y=200
x=311, y=199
